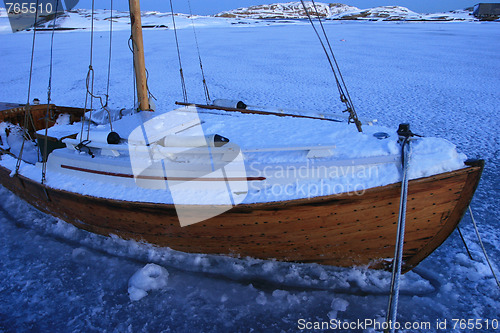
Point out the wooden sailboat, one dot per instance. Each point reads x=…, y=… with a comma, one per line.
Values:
x=338, y=229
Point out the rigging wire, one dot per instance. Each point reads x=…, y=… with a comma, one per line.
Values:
x=341, y=86
x=355, y=117
x=205, y=87
x=110, y=48
x=89, y=73
x=27, y=113
x=183, y=84
x=49, y=94
x=89, y=81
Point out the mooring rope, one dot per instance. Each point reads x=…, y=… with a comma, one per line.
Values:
x=392, y=308
x=482, y=247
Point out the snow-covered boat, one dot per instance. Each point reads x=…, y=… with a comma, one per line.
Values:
x=283, y=186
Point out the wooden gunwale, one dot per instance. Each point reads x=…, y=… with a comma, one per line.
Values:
x=340, y=230
x=15, y=114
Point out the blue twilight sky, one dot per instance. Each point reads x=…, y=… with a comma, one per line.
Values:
x=208, y=7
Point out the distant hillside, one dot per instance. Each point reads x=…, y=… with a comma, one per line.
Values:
x=386, y=13
x=337, y=11
x=80, y=18
x=287, y=10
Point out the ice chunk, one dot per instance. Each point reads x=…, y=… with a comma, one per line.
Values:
x=338, y=305
x=261, y=299
x=150, y=277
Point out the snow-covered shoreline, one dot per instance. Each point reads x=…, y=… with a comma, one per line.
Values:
x=278, y=13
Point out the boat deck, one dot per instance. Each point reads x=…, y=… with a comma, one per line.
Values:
x=4, y=106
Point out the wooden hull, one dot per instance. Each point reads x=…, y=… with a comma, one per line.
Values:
x=15, y=113
x=340, y=230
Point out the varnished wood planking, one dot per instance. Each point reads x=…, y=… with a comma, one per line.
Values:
x=339, y=230
x=38, y=112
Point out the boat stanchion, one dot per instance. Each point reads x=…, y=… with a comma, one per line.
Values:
x=404, y=138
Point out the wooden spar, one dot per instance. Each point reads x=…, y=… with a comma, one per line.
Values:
x=139, y=62
x=223, y=108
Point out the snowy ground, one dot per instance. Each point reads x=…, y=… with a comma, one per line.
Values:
x=441, y=77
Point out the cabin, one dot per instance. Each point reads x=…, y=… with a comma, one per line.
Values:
x=487, y=11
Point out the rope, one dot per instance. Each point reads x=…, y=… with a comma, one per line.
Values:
x=27, y=113
x=104, y=106
x=183, y=84
x=205, y=87
x=150, y=94
x=49, y=93
x=341, y=86
x=482, y=247
x=398, y=252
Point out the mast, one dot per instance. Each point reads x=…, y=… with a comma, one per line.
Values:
x=139, y=63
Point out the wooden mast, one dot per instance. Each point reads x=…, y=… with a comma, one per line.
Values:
x=139, y=63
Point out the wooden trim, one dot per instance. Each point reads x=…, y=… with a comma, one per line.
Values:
x=180, y=179
x=38, y=112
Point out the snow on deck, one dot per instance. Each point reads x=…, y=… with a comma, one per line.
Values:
x=288, y=174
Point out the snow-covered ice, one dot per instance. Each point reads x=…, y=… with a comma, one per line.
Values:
x=440, y=77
